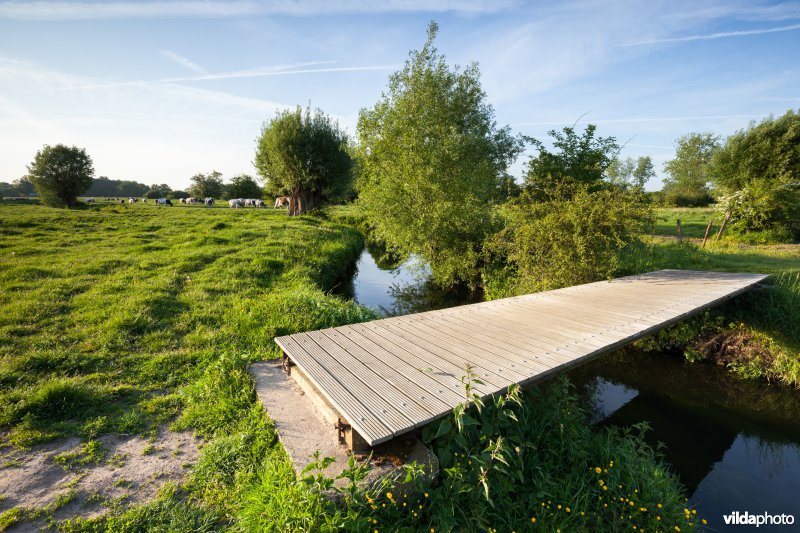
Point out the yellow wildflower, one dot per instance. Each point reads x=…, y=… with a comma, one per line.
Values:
x=597, y=469
x=533, y=519
x=389, y=495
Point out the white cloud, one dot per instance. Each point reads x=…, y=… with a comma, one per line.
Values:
x=624, y=120
x=713, y=36
x=184, y=62
x=260, y=72
x=44, y=10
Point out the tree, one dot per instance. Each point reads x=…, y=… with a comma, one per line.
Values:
x=158, y=191
x=569, y=239
x=60, y=173
x=431, y=159
x=103, y=186
x=579, y=161
x=130, y=188
x=758, y=171
x=629, y=173
x=507, y=187
x=243, y=186
x=689, y=178
x=206, y=185
x=6, y=189
x=305, y=157
x=24, y=186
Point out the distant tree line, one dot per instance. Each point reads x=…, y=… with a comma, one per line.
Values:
x=18, y=187
x=103, y=186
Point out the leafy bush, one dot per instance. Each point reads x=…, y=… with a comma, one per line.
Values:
x=676, y=198
x=758, y=169
x=765, y=209
x=564, y=241
x=532, y=458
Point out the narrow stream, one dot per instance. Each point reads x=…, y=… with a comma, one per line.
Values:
x=735, y=444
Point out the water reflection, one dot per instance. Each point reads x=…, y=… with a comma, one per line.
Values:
x=733, y=443
x=394, y=287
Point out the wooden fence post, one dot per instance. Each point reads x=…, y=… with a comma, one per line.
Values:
x=708, y=230
x=724, y=223
x=680, y=231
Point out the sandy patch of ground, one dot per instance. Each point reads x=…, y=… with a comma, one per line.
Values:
x=133, y=470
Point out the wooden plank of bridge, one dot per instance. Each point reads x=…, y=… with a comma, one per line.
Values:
x=392, y=375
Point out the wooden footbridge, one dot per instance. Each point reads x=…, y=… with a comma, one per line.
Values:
x=387, y=377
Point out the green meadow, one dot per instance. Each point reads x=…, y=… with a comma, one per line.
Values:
x=107, y=311
x=127, y=319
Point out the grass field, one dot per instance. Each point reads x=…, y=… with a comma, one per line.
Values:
x=124, y=319
x=106, y=311
x=694, y=221
x=118, y=319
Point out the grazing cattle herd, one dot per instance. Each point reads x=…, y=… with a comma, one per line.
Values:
x=280, y=201
x=246, y=202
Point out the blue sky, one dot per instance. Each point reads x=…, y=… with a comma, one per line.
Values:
x=157, y=91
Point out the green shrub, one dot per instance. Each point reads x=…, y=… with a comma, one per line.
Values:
x=568, y=240
x=675, y=198
x=533, y=458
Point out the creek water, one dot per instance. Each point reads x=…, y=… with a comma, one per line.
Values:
x=735, y=444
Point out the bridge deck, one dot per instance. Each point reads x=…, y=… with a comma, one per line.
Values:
x=392, y=375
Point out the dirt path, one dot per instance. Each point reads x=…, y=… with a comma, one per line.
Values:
x=131, y=469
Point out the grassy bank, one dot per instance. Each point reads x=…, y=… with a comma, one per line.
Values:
x=121, y=319
x=758, y=334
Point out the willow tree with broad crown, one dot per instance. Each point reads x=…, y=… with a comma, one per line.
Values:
x=431, y=160
x=60, y=173
x=304, y=156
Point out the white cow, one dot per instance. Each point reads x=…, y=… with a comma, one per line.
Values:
x=209, y=202
x=163, y=201
x=236, y=203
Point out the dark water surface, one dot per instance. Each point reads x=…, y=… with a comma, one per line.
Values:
x=735, y=444
x=393, y=288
